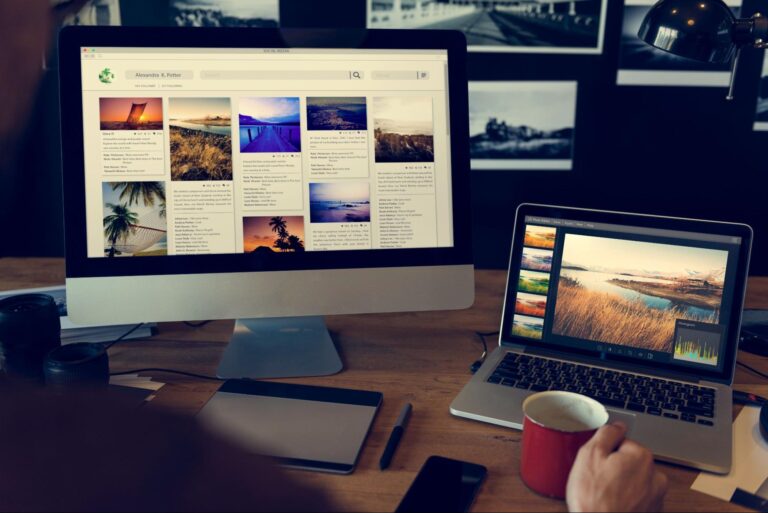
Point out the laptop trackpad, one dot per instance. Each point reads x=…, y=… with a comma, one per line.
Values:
x=622, y=416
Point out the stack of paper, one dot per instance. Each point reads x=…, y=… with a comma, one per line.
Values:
x=71, y=333
x=135, y=388
x=749, y=469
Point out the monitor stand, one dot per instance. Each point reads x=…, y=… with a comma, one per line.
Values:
x=280, y=348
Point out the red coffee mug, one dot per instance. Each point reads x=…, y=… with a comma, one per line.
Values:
x=556, y=426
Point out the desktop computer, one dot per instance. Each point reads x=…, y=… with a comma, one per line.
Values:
x=264, y=175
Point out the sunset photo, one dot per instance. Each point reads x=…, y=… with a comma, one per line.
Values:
x=131, y=113
x=273, y=234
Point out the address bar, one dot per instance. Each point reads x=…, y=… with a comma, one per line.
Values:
x=253, y=74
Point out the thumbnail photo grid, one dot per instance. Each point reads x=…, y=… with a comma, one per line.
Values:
x=534, y=281
x=640, y=290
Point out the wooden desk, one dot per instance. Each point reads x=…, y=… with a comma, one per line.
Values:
x=418, y=357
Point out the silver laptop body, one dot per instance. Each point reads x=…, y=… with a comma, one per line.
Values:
x=590, y=261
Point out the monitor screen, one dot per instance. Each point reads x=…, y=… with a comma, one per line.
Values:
x=217, y=151
x=659, y=295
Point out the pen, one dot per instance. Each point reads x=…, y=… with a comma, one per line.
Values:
x=394, y=438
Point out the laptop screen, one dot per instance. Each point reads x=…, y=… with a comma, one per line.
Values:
x=658, y=295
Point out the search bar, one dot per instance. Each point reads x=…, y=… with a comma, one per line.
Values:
x=253, y=74
x=400, y=75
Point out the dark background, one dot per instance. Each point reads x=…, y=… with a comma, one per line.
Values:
x=681, y=151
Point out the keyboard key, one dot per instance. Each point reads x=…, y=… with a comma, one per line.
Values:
x=654, y=411
x=688, y=418
x=671, y=415
x=509, y=382
x=539, y=388
x=636, y=407
x=523, y=385
x=495, y=379
x=705, y=422
x=687, y=410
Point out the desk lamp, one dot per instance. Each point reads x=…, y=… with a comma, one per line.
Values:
x=704, y=30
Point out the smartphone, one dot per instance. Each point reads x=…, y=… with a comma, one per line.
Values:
x=443, y=485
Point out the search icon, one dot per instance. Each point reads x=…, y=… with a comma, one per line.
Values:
x=357, y=75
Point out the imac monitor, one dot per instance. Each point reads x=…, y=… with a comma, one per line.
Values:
x=246, y=173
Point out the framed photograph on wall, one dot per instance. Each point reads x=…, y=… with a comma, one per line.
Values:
x=225, y=13
x=575, y=27
x=761, y=112
x=643, y=65
x=522, y=125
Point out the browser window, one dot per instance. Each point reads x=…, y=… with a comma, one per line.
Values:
x=223, y=151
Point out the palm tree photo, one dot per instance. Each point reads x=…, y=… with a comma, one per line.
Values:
x=118, y=225
x=147, y=192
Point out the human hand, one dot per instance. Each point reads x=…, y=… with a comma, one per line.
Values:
x=614, y=474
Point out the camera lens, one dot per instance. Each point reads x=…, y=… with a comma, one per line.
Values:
x=29, y=329
x=77, y=364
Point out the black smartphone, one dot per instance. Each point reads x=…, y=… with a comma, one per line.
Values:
x=443, y=485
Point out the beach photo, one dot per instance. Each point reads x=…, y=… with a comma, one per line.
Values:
x=337, y=113
x=540, y=236
x=537, y=259
x=531, y=304
x=642, y=64
x=527, y=327
x=533, y=282
x=131, y=113
x=270, y=125
x=522, y=125
x=201, y=138
x=273, y=234
x=342, y=202
x=134, y=219
x=632, y=293
x=225, y=13
x=502, y=26
x=403, y=129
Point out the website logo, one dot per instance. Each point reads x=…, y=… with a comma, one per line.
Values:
x=106, y=76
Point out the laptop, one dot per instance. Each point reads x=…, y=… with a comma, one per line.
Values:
x=639, y=312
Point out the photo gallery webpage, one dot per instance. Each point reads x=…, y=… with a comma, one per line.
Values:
x=192, y=151
x=644, y=293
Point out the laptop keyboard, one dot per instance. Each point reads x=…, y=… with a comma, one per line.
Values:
x=641, y=394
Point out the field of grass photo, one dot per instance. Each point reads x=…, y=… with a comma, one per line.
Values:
x=198, y=155
x=522, y=331
x=528, y=327
x=605, y=317
x=533, y=282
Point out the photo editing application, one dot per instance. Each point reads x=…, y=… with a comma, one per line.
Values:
x=640, y=293
x=255, y=151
